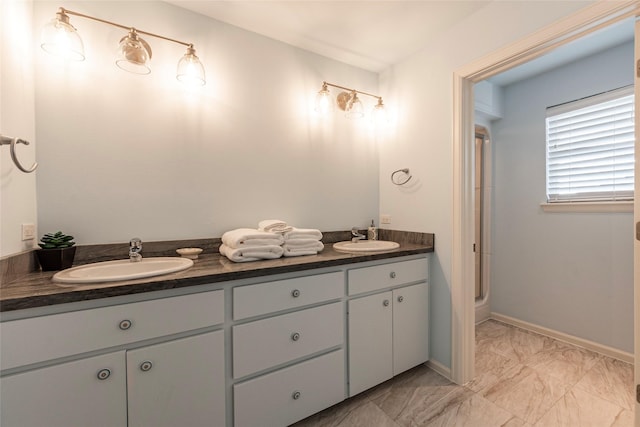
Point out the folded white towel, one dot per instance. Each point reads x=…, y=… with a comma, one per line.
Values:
x=274, y=226
x=311, y=248
x=303, y=233
x=304, y=243
x=251, y=253
x=242, y=237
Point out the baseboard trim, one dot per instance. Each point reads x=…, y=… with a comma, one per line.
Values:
x=570, y=339
x=440, y=368
x=483, y=312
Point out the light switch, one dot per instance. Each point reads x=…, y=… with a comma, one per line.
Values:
x=28, y=232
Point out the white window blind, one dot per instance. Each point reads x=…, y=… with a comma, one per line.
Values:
x=590, y=148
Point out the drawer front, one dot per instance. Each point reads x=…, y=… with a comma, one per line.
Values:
x=291, y=394
x=377, y=277
x=270, y=297
x=266, y=343
x=65, y=334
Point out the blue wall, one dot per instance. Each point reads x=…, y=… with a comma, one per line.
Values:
x=570, y=272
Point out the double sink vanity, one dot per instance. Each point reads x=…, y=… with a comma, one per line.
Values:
x=257, y=344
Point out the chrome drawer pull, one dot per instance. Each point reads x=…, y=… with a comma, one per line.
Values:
x=400, y=298
x=392, y=274
x=296, y=395
x=146, y=365
x=103, y=374
x=295, y=293
x=125, y=324
x=295, y=336
x=385, y=303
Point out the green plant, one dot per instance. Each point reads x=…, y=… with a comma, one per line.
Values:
x=56, y=240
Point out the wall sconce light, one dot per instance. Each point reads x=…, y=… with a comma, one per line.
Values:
x=61, y=38
x=348, y=102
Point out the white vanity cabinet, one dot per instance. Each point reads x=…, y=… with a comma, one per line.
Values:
x=85, y=392
x=173, y=381
x=253, y=352
x=388, y=326
x=290, y=361
x=177, y=383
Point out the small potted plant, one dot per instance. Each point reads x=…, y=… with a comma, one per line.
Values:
x=57, y=251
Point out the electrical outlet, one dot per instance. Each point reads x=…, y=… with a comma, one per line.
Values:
x=28, y=232
x=385, y=219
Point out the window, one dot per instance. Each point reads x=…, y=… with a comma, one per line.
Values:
x=590, y=148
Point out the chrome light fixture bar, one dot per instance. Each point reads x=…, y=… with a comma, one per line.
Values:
x=348, y=102
x=61, y=38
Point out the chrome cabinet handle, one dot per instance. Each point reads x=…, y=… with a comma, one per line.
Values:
x=295, y=336
x=146, y=365
x=392, y=274
x=296, y=395
x=295, y=293
x=103, y=374
x=125, y=324
x=385, y=303
x=400, y=298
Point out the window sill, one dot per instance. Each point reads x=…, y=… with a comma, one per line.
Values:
x=589, y=207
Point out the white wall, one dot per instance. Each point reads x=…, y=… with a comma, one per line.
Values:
x=123, y=155
x=420, y=89
x=17, y=119
x=571, y=272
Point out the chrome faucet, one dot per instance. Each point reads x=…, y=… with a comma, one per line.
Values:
x=356, y=235
x=135, y=246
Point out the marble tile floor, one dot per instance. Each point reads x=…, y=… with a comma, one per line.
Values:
x=522, y=380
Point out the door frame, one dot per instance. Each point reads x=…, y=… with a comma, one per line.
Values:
x=592, y=18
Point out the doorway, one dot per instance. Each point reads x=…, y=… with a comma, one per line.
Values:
x=463, y=274
x=479, y=214
x=482, y=221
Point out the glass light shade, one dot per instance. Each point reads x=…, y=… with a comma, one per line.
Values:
x=134, y=54
x=379, y=113
x=324, y=103
x=354, y=108
x=190, y=69
x=60, y=38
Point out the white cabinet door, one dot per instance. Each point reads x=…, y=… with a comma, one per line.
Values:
x=87, y=392
x=370, y=341
x=410, y=327
x=178, y=383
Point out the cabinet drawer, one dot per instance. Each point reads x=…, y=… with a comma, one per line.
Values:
x=377, y=277
x=291, y=394
x=43, y=338
x=265, y=343
x=264, y=298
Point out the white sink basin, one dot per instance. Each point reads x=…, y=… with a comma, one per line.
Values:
x=365, y=246
x=112, y=271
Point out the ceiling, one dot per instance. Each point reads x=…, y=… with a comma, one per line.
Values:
x=357, y=32
x=371, y=35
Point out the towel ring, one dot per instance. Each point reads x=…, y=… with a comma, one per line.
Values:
x=401, y=182
x=5, y=140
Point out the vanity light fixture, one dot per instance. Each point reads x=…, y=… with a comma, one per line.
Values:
x=61, y=38
x=348, y=102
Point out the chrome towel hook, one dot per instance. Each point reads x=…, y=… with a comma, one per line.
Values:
x=402, y=180
x=5, y=140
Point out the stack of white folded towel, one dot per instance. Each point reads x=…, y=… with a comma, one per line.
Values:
x=302, y=241
x=248, y=244
x=272, y=239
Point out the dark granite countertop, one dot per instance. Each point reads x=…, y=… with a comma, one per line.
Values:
x=37, y=289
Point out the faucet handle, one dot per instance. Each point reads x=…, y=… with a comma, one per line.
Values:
x=135, y=244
